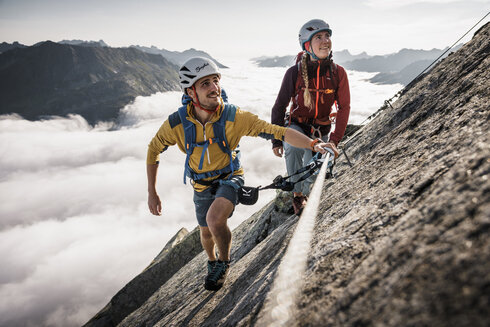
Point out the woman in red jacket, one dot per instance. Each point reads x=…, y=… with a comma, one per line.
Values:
x=315, y=86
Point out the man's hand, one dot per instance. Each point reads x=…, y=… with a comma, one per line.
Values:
x=320, y=147
x=154, y=204
x=332, y=146
x=278, y=151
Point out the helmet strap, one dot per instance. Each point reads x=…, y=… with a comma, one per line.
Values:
x=311, y=53
x=199, y=104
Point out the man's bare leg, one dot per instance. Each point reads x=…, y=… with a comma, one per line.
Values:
x=207, y=243
x=217, y=217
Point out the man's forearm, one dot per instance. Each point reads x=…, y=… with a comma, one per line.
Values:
x=154, y=202
x=151, y=173
x=297, y=139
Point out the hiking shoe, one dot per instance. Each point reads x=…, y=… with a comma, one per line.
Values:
x=299, y=202
x=215, y=279
x=211, y=265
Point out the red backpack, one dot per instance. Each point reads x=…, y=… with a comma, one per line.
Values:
x=330, y=85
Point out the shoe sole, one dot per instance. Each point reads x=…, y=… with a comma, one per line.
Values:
x=210, y=286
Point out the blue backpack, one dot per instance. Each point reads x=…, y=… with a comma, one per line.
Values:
x=228, y=114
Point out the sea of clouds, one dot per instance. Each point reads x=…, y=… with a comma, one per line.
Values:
x=75, y=226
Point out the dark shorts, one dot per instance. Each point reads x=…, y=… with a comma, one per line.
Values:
x=204, y=199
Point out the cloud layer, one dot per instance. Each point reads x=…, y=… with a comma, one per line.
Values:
x=75, y=226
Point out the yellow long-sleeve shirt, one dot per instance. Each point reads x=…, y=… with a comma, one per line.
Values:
x=244, y=124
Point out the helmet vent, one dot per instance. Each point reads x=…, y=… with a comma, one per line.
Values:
x=194, y=69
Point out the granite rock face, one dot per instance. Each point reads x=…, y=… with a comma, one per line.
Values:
x=267, y=229
x=179, y=250
x=401, y=237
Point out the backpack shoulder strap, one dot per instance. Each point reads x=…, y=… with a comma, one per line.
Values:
x=334, y=73
x=231, y=109
x=182, y=113
x=297, y=78
x=219, y=128
x=228, y=114
x=174, y=119
x=189, y=130
x=189, y=136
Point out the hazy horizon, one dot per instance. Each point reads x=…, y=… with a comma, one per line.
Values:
x=250, y=29
x=228, y=57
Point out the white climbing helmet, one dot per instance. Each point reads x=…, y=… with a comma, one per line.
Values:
x=311, y=28
x=195, y=69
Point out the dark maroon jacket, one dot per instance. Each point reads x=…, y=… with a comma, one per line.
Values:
x=287, y=94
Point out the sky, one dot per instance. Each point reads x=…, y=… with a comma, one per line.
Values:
x=242, y=29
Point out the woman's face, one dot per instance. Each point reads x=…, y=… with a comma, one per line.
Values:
x=321, y=44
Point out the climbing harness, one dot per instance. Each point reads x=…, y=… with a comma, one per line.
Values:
x=249, y=195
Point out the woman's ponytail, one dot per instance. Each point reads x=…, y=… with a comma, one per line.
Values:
x=304, y=73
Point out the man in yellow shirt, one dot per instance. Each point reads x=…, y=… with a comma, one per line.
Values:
x=208, y=131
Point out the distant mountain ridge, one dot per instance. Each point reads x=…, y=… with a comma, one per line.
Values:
x=99, y=43
x=400, y=67
x=404, y=76
x=178, y=58
x=95, y=82
x=88, y=78
x=392, y=62
x=345, y=56
x=285, y=61
x=4, y=46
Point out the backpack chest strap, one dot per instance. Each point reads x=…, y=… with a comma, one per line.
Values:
x=204, y=146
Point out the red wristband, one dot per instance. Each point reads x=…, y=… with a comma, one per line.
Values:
x=312, y=144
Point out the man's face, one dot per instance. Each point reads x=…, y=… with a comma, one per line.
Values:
x=208, y=92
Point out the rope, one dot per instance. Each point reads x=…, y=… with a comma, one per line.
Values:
x=280, y=306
